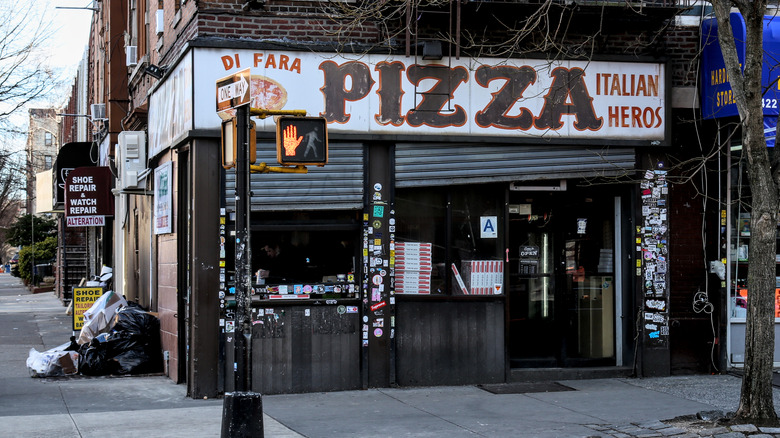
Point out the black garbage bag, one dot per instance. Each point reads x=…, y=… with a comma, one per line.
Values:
x=131, y=347
x=134, y=341
x=73, y=346
x=95, y=360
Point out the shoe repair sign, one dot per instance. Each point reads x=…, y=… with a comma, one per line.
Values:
x=83, y=299
x=88, y=198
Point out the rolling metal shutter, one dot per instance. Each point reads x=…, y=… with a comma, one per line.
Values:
x=436, y=165
x=336, y=186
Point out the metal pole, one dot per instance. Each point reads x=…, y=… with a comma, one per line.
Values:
x=242, y=411
x=243, y=368
x=32, y=247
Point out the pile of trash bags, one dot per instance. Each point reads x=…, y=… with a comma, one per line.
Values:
x=117, y=338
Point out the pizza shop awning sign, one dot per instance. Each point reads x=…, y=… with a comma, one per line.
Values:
x=88, y=197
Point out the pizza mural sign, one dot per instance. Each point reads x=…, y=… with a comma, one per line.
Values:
x=387, y=94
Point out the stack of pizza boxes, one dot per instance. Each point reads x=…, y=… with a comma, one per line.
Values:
x=486, y=277
x=413, y=263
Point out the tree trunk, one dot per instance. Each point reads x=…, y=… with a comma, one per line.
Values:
x=755, y=403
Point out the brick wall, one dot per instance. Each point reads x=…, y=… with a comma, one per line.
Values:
x=167, y=288
x=314, y=28
x=683, y=48
x=68, y=124
x=687, y=272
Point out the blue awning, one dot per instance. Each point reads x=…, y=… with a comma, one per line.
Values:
x=717, y=99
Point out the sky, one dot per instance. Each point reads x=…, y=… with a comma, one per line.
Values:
x=63, y=51
x=70, y=35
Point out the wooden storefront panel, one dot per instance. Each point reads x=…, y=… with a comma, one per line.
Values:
x=294, y=352
x=449, y=343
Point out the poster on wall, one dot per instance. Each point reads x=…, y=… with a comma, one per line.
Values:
x=163, y=198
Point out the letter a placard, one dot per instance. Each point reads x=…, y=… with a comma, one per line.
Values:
x=488, y=226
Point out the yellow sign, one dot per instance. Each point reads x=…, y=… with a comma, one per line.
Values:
x=83, y=299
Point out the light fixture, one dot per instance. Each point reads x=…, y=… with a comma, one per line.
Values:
x=431, y=50
x=155, y=71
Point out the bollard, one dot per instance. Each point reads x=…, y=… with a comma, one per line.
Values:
x=242, y=415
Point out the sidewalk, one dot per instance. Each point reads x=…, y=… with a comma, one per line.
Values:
x=155, y=406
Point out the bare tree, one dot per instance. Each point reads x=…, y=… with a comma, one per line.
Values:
x=12, y=177
x=24, y=74
x=755, y=404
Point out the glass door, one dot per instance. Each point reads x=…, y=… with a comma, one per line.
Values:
x=588, y=284
x=561, y=281
x=534, y=333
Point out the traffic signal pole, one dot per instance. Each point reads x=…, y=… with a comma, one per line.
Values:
x=243, y=282
x=242, y=412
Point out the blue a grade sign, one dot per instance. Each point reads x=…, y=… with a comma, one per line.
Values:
x=717, y=99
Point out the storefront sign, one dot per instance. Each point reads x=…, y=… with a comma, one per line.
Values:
x=385, y=94
x=69, y=157
x=88, y=198
x=717, y=97
x=83, y=299
x=170, y=107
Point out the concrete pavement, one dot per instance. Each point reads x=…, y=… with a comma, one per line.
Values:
x=154, y=406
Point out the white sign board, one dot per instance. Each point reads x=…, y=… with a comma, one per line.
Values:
x=393, y=95
x=387, y=94
x=488, y=227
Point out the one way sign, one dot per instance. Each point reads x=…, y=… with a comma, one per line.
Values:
x=233, y=91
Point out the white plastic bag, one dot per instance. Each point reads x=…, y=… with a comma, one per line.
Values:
x=54, y=362
x=99, y=317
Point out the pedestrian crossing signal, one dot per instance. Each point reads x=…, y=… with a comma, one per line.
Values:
x=302, y=141
x=230, y=146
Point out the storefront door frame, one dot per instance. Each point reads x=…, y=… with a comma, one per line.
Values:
x=619, y=281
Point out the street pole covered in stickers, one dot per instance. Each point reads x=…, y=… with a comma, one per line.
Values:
x=242, y=413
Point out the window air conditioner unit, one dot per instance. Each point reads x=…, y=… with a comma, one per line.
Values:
x=160, y=21
x=98, y=111
x=131, y=52
x=131, y=158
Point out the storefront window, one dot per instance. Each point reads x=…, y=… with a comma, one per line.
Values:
x=421, y=217
x=463, y=226
x=740, y=239
x=478, y=239
x=304, y=257
x=304, y=253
